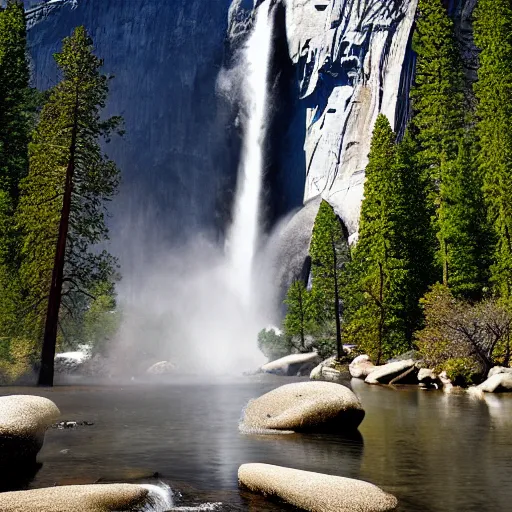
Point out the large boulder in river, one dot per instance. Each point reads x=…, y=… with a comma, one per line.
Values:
x=315, y=492
x=305, y=406
x=404, y=371
x=361, y=367
x=76, y=498
x=499, y=369
x=293, y=364
x=23, y=423
x=498, y=383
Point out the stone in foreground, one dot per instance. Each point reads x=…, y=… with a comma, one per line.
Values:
x=361, y=367
x=315, y=492
x=305, y=406
x=292, y=364
x=498, y=383
x=387, y=373
x=76, y=498
x=23, y=423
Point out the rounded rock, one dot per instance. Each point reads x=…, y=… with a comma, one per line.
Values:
x=305, y=406
x=315, y=492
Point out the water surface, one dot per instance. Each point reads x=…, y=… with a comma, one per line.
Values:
x=435, y=452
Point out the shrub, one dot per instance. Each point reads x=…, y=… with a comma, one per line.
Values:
x=462, y=371
x=274, y=344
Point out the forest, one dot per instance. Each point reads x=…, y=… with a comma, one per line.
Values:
x=432, y=268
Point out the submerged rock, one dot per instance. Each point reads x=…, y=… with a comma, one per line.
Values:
x=305, y=406
x=361, y=367
x=76, y=498
x=497, y=383
x=293, y=364
x=315, y=492
x=23, y=423
x=387, y=373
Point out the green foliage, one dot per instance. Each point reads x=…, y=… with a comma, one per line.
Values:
x=300, y=317
x=438, y=108
x=462, y=225
x=390, y=263
x=329, y=256
x=457, y=329
x=462, y=371
x=493, y=35
x=69, y=126
x=14, y=98
x=274, y=345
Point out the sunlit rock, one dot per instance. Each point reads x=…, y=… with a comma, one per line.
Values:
x=498, y=383
x=499, y=369
x=23, y=422
x=389, y=372
x=361, y=367
x=293, y=364
x=77, y=498
x=327, y=371
x=315, y=492
x=428, y=378
x=305, y=406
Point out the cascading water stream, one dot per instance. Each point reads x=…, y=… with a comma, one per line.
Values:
x=244, y=233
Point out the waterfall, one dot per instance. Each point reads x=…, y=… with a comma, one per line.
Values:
x=243, y=237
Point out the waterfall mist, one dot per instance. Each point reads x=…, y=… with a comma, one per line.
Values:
x=202, y=306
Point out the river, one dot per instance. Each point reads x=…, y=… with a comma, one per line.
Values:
x=435, y=452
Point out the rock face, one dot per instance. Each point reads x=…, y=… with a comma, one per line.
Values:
x=293, y=364
x=387, y=373
x=180, y=154
x=23, y=423
x=305, y=406
x=361, y=367
x=315, y=492
x=76, y=498
x=498, y=383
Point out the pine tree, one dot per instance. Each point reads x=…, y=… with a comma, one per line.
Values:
x=300, y=315
x=390, y=270
x=329, y=255
x=438, y=105
x=463, y=226
x=62, y=206
x=493, y=35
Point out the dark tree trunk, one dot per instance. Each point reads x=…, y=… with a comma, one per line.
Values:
x=52, y=315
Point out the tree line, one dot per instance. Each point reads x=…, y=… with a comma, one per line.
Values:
x=432, y=266
x=57, y=286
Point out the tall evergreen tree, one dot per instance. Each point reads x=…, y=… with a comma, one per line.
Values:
x=390, y=269
x=300, y=315
x=493, y=35
x=329, y=255
x=463, y=226
x=438, y=106
x=62, y=206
